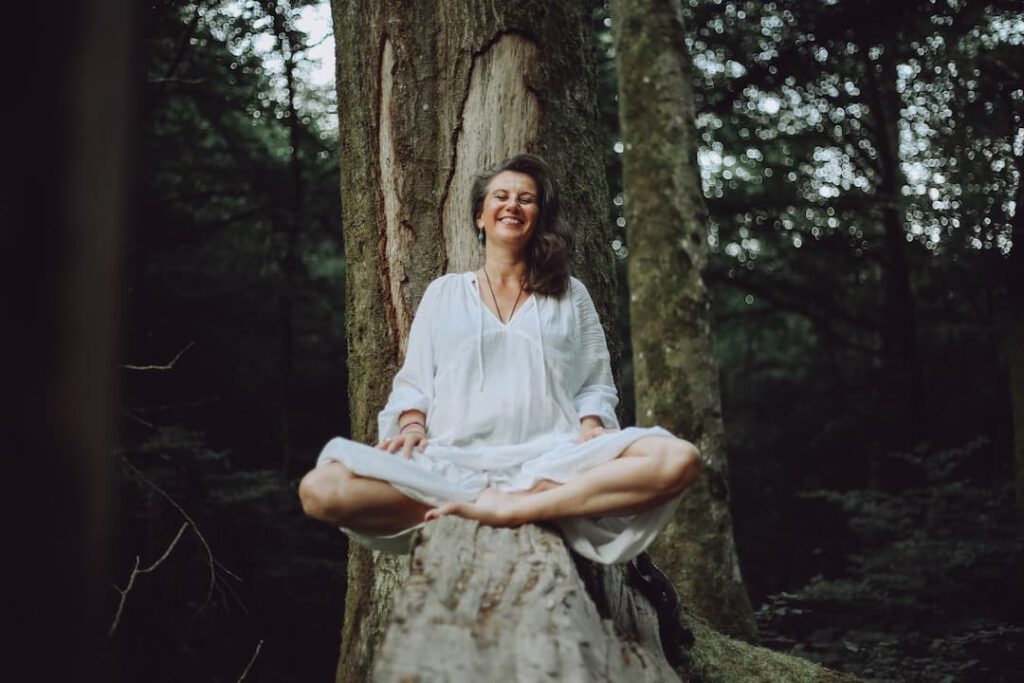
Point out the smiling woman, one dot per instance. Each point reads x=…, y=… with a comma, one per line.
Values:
x=504, y=410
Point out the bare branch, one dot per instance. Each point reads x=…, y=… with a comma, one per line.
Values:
x=135, y=574
x=138, y=419
x=191, y=523
x=168, y=366
x=255, y=654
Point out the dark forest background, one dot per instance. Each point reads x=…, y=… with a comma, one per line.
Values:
x=860, y=162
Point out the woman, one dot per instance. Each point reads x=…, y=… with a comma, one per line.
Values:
x=503, y=411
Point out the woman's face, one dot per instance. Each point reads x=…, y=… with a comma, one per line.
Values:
x=510, y=208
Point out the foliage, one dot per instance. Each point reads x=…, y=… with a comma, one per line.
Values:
x=236, y=265
x=928, y=590
x=238, y=246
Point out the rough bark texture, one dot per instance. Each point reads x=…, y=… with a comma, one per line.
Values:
x=427, y=94
x=512, y=604
x=509, y=604
x=670, y=311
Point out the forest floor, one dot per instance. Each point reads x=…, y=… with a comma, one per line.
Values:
x=930, y=587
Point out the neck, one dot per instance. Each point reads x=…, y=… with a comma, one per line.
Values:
x=505, y=268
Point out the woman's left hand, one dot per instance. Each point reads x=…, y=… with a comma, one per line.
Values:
x=591, y=427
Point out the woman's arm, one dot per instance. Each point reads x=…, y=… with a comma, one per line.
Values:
x=595, y=398
x=413, y=388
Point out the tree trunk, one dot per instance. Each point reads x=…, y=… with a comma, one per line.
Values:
x=62, y=216
x=1016, y=337
x=902, y=373
x=484, y=604
x=287, y=226
x=670, y=308
x=427, y=94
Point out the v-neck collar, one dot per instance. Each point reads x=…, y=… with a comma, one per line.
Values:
x=474, y=284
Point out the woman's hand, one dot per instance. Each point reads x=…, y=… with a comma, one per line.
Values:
x=406, y=441
x=590, y=427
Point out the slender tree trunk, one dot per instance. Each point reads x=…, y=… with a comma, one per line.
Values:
x=902, y=373
x=288, y=225
x=1016, y=336
x=670, y=308
x=428, y=93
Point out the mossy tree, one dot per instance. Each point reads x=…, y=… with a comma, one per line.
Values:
x=670, y=308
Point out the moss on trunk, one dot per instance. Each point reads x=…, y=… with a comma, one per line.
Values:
x=670, y=308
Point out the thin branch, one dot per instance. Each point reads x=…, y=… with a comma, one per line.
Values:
x=168, y=366
x=191, y=523
x=138, y=419
x=135, y=574
x=256, y=654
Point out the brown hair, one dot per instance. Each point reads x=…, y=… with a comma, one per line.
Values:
x=549, y=253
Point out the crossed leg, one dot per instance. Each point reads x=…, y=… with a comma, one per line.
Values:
x=649, y=472
x=333, y=494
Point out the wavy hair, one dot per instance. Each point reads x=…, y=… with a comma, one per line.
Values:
x=549, y=252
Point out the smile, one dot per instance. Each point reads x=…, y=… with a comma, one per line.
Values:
x=510, y=219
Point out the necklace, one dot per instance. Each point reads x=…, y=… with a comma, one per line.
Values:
x=496, y=306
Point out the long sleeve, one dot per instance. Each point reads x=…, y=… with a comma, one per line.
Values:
x=596, y=394
x=413, y=387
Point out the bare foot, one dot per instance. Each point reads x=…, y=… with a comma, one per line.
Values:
x=492, y=507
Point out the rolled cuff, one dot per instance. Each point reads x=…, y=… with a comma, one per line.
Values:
x=600, y=401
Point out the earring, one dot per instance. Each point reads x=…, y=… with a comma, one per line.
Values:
x=480, y=237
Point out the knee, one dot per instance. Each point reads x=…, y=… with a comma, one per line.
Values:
x=682, y=466
x=320, y=493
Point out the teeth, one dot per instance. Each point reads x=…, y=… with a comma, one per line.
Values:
x=510, y=220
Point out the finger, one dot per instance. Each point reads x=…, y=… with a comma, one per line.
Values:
x=383, y=445
x=407, y=449
x=443, y=510
x=395, y=444
x=423, y=445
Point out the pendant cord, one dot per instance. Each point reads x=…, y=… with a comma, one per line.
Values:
x=496, y=306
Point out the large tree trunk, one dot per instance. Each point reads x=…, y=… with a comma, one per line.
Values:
x=670, y=309
x=427, y=94
x=485, y=604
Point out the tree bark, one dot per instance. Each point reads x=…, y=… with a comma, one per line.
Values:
x=670, y=308
x=512, y=604
x=428, y=93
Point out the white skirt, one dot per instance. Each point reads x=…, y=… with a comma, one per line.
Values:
x=445, y=473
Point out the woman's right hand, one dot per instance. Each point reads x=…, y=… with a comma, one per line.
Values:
x=412, y=438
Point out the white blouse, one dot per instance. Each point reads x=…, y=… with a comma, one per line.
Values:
x=534, y=376
x=503, y=405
